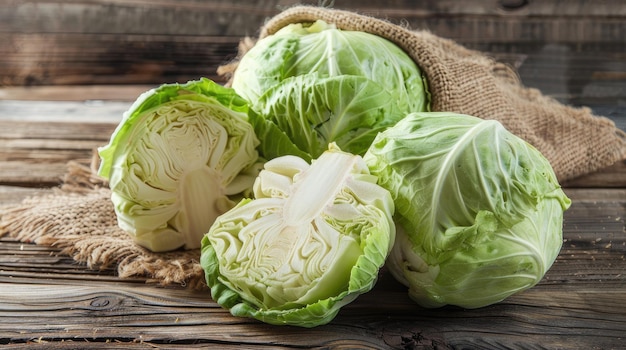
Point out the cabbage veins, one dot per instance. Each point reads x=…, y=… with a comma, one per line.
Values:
x=479, y=210
x=313, y=84
x=321, y=48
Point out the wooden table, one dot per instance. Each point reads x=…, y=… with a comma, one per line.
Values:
x=49, y=300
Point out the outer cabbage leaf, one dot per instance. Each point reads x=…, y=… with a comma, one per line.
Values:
x=311, y=241
x=175, y=158
x=303, y=114
x=479, y=210
x=321, y=48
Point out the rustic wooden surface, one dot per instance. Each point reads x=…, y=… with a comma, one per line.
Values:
x=68, y=69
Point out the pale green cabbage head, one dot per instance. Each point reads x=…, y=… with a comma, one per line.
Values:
x=321, y=48
x=479, y=211
x=313, y=84
x=312, y=240
x=178, y=155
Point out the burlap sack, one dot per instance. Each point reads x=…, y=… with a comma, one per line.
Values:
x=80, y=219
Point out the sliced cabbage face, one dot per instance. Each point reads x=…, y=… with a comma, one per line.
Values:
x=479, y=210
x=311, y=241
x=175, y=158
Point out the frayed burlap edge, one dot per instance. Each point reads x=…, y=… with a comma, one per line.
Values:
x=78, y=218
x=575, y=141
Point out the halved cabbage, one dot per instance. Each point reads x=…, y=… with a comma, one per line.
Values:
x=175, y=158
x=311, y=241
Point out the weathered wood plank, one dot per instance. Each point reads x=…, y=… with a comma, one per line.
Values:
x=89, y=94
x=37, y=140
x=380, y=319
x=22, y=115
x=243, y=17
x=20, y=173
x=184, y=18
x=11, y=195
x=611, y=176
x=37, y=134
x=595, y=194
x=193, y=317
x=61, y=58
x=28, y=261
x=110, y=41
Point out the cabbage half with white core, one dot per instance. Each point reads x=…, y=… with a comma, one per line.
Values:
x=479, y=211
x=175, y=159
x=312, y=240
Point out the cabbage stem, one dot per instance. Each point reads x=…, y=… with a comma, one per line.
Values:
x=324, y=179
x=199, y=193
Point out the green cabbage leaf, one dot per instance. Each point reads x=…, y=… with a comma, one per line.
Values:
x=303, y=114
x=479, y=211
x=313, y=238
x=175, y=161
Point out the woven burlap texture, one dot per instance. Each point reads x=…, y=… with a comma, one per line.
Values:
x=79, y=217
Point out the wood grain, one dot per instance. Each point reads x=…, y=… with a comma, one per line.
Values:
x=137, y=42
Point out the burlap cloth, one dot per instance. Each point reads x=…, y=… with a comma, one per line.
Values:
x=79, y=217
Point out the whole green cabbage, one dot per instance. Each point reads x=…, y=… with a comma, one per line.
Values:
x=313, y=84
x=479, y=211
x=175, y=160
x=313, y=238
